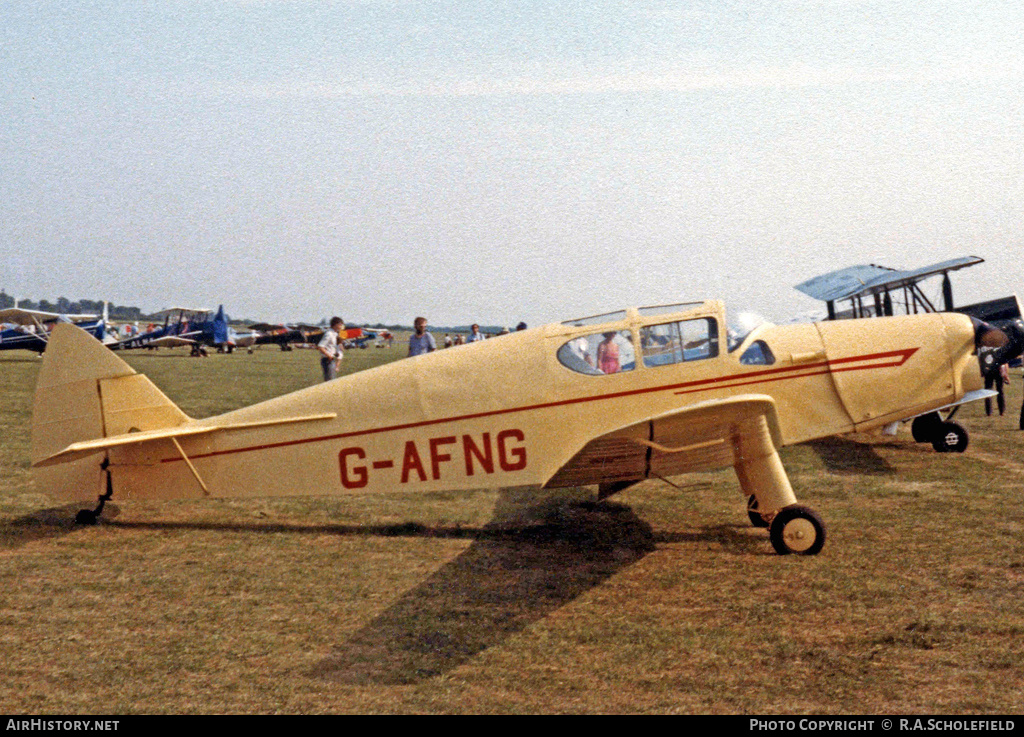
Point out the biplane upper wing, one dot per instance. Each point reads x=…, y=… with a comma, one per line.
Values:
x=180, y=311
x=704, y=436
x=867, y=279
x=21, y=316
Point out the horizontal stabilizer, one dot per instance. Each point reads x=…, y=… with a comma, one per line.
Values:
x=87, y=447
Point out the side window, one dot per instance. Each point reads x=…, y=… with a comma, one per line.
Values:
x=676, y=342
x=598, y=354
x=758, y=354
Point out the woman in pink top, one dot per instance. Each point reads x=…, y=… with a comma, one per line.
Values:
x=608, y=355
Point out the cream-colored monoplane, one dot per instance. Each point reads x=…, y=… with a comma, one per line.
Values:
x=609, y=400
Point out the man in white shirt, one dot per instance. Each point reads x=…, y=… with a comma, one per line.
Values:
x=330, y=349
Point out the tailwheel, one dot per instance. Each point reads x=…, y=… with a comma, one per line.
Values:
x=950, y=437
x=756, y=518
x=797, y=529
x=86, y=517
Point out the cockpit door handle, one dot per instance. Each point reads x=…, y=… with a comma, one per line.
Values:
x=811, y=357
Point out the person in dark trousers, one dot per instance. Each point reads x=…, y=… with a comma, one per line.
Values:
x=996, y=378
x=1022, y=416
x=1014, y=347
x=330, y=349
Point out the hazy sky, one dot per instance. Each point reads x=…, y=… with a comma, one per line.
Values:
x=503, y=161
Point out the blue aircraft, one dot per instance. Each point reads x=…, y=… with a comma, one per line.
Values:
x=186, y=326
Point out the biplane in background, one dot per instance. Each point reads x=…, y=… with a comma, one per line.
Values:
x=365, y=336
x=278, y=334
x=286, y=336
x=29, y=330
x=609, y=400
x=188, y=326
x=875, y=291
x=880, y=291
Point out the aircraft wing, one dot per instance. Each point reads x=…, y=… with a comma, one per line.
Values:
x=703, y=436
x=168, y=341
x=162, y=341
x=311, y=333
x=866, y=279
x=20, y=316
x=173, y=311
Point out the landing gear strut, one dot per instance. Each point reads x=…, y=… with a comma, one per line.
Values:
x=756, y=518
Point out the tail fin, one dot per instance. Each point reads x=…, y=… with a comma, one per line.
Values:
x=85, y=392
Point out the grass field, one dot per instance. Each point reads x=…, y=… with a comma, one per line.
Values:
x=659, y=600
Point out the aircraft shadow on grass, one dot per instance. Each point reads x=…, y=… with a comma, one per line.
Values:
x=845, y=456
x=535, y=556
x=43, y=524
x=526, y=563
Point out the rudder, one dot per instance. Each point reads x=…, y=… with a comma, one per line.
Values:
x=85, y=392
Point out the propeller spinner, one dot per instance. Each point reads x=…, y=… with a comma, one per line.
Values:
x=1008, y=342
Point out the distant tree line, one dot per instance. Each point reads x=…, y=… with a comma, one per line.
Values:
x=65, y=306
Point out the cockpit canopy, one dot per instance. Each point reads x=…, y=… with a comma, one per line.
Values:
x=674, y=340
x=742, y=324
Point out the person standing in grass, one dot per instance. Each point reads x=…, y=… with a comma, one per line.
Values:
x=330, y=349
x=1022, y=416
x=474, y=334
x=995, y=378
x=421, y=341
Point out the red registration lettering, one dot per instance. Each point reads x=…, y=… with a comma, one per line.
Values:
x=511, y=459
x=354, y=477
x=471, y=450
x=411, y=462
x=436, y=457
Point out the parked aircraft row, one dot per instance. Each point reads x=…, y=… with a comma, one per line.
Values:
x=24, y=329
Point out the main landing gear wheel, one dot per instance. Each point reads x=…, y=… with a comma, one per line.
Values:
x=797, y=529
x=924, y=427
x=945, y=436
x=950, y=437
x=756, y=518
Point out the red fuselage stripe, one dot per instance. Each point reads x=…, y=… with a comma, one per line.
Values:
x=689, y=387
